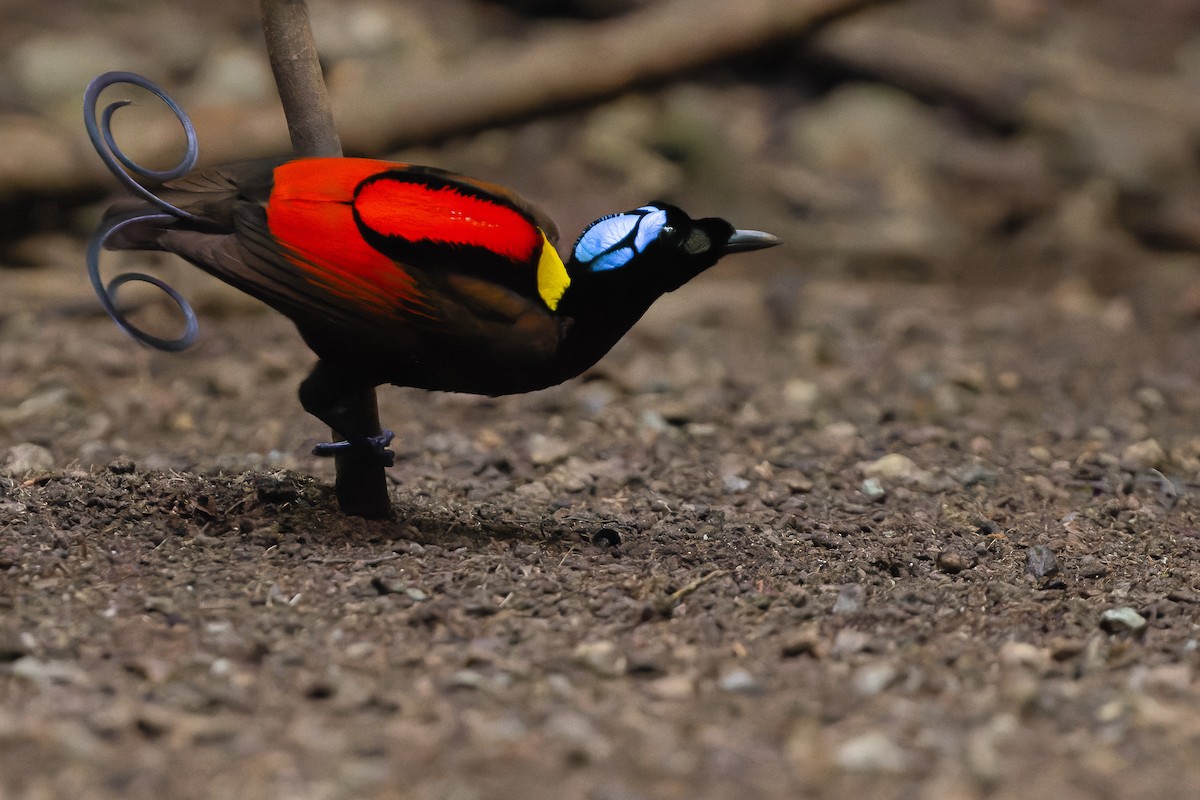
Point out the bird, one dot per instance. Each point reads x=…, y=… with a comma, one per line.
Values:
x=410, y=275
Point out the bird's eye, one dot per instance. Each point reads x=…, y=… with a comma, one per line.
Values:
x=697, y=242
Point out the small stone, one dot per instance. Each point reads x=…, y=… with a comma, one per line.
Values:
x=653, y=421
x=1040, y=561
x=47, y=672
x=849, y=599
x=1064, y=649
x=848, y=641
x=805, y=642
x=672, y=687
x=545, y=450
x=235, y=72
x=10, y=555
x=534, y=492
x=12, y=645
x=23, y=459
x=953, y=562
x=1041, y=454
x=872, y=679
x=1150, y=399
x=872, y=752
x=840, y=430
x=735, y=483
x=739, y=681
x=356, y=651
x=573, y=476
x=1122, y=620
x=578, y=733
x=800, y=399
x=1143, y=455
x=873, y=489
x=1023, y=654
x=980, y=445
x=1045, y=488
x=973, y=473
x=602, y=658
x=468, y=679
x=1008, y=381
x=1091, y=567
x=892, y=467
x=799, y=484
x=122, y=466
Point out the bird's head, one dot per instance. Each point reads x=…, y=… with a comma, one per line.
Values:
x=652, y=250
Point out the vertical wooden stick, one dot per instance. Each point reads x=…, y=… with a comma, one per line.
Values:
x=361, y=483
x=293, y=55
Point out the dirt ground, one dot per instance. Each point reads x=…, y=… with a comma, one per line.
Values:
x=909, y=542
x=906, y=508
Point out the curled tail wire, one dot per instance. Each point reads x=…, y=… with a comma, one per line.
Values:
x=131, y=173
x=108, y=293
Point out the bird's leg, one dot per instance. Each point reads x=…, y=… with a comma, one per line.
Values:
x=333, y=397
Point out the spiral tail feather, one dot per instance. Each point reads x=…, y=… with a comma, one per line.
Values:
x=137, y=224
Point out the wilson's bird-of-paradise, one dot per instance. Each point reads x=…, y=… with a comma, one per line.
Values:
x=401, y=274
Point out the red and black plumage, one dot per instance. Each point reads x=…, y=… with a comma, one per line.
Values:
x=392, y=271
x=414, y=276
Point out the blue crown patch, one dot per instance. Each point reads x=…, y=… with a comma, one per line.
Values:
x=613, y=241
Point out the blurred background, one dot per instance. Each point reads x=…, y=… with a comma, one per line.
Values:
x=930, y=139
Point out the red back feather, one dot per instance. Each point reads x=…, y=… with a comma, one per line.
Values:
x=310, y=214
x=320, y=208
x=416, y=212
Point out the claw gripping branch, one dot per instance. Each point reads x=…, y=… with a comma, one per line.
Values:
x=129, y=172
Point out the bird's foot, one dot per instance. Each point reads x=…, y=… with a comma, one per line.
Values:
x=376, y=444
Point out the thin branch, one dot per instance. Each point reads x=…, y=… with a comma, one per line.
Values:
x=298, y=77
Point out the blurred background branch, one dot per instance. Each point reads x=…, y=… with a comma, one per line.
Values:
x=399, y=102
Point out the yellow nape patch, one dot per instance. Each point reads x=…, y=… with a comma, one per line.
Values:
x=552, y=278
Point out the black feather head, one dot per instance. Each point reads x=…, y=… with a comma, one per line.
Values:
x=656, y=248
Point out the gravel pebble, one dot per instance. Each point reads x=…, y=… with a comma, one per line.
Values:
x=1143, y=455
x=1040, y=561
x=849, y=599
x=602, y=658
x=739, y=681
x=872, y=752
x=547, y=449
x=953, y=562
x=892, y=467
x=1091, y=567
x=1122, y=620
x=26, y=458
